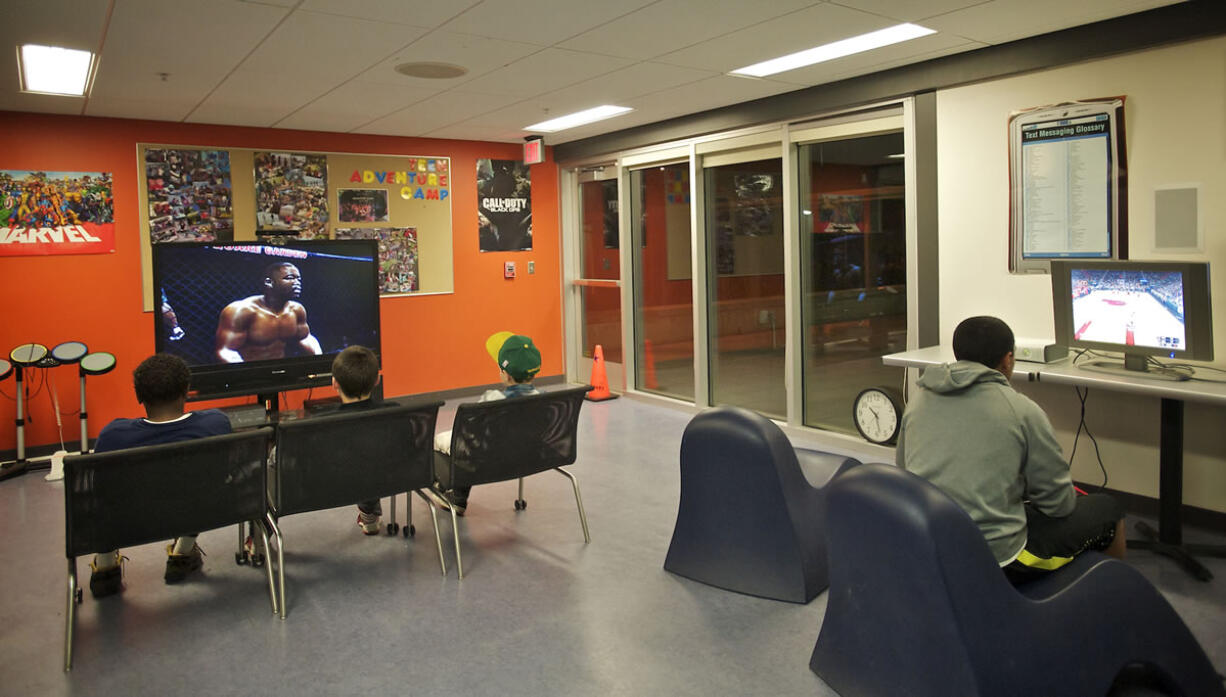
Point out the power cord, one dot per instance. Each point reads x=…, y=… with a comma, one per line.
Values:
x=1082, y=425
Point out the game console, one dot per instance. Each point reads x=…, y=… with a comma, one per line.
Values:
x=1038, y=350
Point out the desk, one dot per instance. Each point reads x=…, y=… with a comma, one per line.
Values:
x=1169, y=537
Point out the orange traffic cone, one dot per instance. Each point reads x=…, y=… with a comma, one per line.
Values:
x=600, y=382
x=649, y=367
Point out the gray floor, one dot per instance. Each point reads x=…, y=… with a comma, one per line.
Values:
x=538, y=612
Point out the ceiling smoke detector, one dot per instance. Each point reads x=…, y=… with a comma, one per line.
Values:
x=431, y=71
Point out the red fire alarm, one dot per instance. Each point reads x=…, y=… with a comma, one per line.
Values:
x=508, y=270
x=534, y=150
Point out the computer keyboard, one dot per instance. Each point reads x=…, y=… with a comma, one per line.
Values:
x=245, y=416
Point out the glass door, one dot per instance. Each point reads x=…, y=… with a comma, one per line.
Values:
x=663, y=280
x=746, y=319
x=852, y=225
x=598, y=285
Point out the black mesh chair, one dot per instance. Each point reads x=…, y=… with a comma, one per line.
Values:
x=132, y=497
x=750, y=520
x=347, y=457
x=509, y=439
x=918, y=606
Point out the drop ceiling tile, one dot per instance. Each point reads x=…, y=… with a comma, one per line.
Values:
x=541, y=22
x=1001, y=21
x=354, y=104
x=479, y=54
x=621, y=85
x=42, y=103
x=67, y=23
x=309, y=46
x=158, y=108
x=256, y=99
x=435, y=112
x=672, y=24
x=910, y=11
x=466, y=131
x=545, y=71
x=418, y=13
x=147, y=37
x=781, y=36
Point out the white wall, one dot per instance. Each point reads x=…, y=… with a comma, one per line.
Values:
x=1175, y=117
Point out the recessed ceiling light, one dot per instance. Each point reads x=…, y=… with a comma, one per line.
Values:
x=838, y=49
x=578, y=118
x=431, y=71
x=55, y=70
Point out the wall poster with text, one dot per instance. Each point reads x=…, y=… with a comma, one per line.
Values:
x=504, y=205
x=55, y=213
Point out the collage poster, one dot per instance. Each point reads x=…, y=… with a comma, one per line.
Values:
x=397, y=256
x=362, y=205
x=189, y=195
x=292, y=193
x=504, y=205
x=55, y=213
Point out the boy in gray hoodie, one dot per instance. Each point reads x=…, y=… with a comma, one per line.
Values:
x=993, y=451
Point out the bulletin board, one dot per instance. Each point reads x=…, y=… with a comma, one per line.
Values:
x=417, y=191
x=1068, y=184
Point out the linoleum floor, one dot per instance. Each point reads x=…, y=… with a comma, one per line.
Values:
x=538, y=613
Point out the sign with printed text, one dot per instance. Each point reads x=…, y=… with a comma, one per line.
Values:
x=56, y=213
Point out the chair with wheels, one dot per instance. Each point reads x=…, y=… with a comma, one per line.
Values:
x=507, y=439
x=918, y=606
x=124, y=498
x=749, y=519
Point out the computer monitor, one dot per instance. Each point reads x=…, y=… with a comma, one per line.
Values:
x=1138, y=308
x=328, y=299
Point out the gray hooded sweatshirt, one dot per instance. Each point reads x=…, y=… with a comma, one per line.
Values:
x=989, y=448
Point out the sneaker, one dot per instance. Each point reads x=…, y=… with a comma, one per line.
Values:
x=369, y=523
x=107, y=581
x=178, y=566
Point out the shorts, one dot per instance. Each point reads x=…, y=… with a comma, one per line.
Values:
x=1053, y=542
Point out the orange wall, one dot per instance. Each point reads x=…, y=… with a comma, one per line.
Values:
x=430, y=343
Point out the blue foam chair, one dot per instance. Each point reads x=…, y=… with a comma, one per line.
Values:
x=749, y=520
x=918, y=606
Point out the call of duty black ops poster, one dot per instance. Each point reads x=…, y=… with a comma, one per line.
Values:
x=504, y=205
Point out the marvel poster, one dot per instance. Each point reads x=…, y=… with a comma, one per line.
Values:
x=504, y=206
x=55, y=213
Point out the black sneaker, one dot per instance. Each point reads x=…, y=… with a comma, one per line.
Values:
x=107, y=581
x=178, y=566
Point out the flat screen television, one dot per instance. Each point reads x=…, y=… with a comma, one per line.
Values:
x=256, y=318
x=1139, y=308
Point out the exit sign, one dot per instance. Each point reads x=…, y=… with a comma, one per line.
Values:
x=534, y=151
